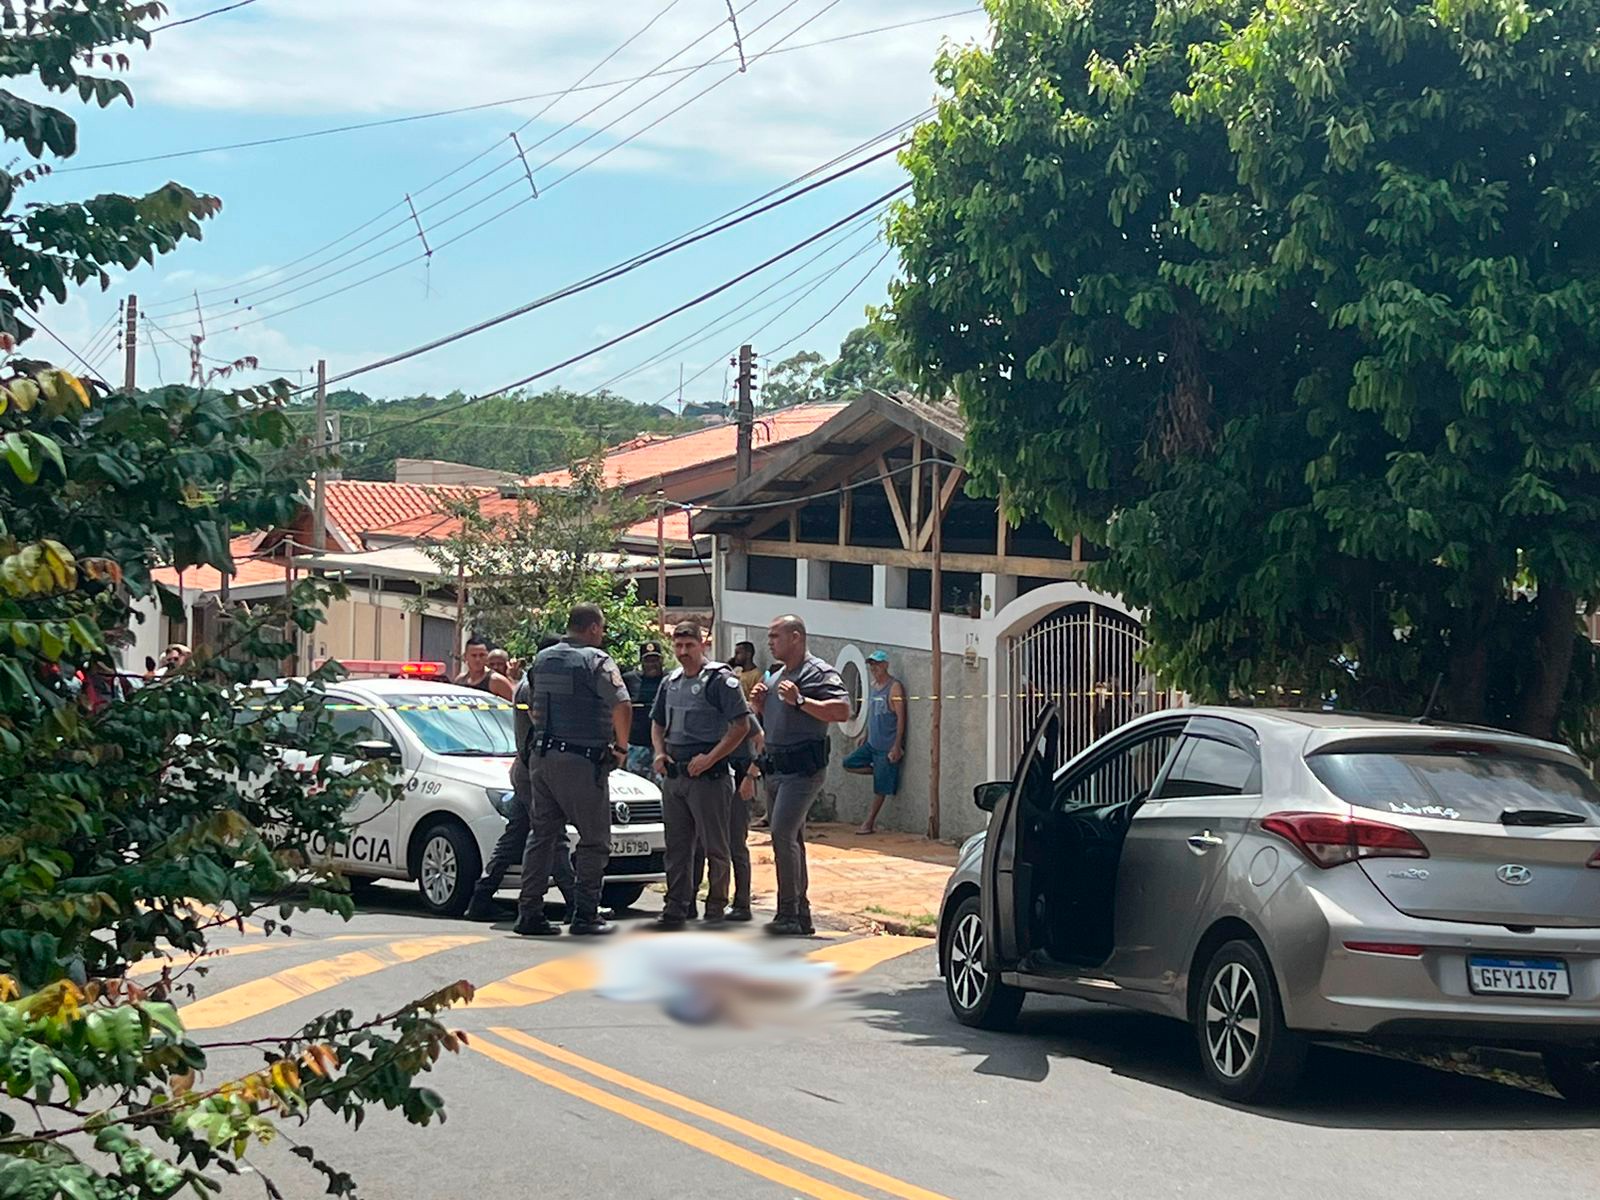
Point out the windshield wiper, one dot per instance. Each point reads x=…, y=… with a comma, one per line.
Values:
x=474, y=753
x=1540, y=816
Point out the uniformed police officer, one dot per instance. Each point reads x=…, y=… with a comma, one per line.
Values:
x=513, y=844
x=700, y=718
x=583, y=711
x=796, y=709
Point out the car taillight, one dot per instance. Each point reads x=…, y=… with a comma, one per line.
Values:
x=1394, y=949
x=1328, y=840
x=1594, y=860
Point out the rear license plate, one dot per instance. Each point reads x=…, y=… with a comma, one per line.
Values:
x=1492, y=976
x=626, y=847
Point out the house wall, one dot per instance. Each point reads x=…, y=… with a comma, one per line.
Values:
x=973, y=746
x=365, y=625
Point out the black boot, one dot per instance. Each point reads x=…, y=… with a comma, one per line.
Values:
x=785, y=927
x=535, y=926
x=596, y=926
x=741, y=913
x=481, y=906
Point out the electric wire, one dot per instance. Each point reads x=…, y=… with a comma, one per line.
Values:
x=215, y=12
x=53, y=336
x=487, y=104
x=515, y=182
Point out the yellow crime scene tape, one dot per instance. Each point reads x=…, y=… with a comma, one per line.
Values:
x=508, y=706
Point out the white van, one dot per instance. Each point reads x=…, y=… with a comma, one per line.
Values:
x=454, y=747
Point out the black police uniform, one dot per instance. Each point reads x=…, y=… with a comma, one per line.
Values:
x=575, y=688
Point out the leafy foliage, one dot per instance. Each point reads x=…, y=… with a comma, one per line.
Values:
x=135, y=821
x=522, y=434
x=808, y=377
x=1291, y=307
x=529, y=560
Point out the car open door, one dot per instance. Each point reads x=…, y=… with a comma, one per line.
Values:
x=1007, y=876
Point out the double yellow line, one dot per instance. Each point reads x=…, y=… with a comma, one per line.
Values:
x=542, y=1069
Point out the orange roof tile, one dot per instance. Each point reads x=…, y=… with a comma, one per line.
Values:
x=359, y=506
x=247, y=571
x=651, y=456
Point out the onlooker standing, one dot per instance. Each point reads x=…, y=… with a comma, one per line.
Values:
x=643, y=686
x=795, y=712
x=479, y=675
x=744, y=662
x=513, y=844
x=700, y=718
x=884, y=743
x=500, y=664
x=583, y=711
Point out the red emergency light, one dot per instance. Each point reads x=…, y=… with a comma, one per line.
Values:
x=393, y=668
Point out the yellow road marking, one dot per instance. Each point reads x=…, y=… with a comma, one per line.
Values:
x=851, y=958
x=262, y=995
x=577, y=972
x=546, y=981
x=708, y=1143
x=154, y=966
x=757, y=1133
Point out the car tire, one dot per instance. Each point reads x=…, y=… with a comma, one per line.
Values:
x=446, y=867
x=618, y=896
x=362, y=887
x=1575, y=1074
x=1249, y=1055
x=971, y=984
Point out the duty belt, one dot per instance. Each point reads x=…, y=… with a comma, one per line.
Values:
x=677, y=769
x=806, y=759
x=595, y=754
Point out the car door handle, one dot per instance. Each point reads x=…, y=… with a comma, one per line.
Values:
x=1201, y=843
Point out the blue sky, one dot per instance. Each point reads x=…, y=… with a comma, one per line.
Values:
x=287, y=66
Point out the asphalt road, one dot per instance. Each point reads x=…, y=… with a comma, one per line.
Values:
x=564, y=1094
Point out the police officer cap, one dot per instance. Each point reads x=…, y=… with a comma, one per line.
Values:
x=650, y=650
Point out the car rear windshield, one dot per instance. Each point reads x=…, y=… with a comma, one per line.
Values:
x=1457, y=785
x=466, y=732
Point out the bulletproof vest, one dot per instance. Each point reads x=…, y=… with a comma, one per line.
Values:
x=521, y=714
x=691, y=718
x=566, y=705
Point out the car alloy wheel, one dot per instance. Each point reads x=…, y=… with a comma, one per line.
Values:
x=440, y=869
x=967, y=974
x=1233, y=1020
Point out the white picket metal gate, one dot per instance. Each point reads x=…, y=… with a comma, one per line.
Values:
x=1084, y=657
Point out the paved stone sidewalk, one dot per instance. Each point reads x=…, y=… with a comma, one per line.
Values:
x=886, y=881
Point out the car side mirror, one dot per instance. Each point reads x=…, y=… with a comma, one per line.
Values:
x=378, y=750
x=987, y=796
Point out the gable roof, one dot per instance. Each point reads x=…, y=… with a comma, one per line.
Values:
x=357, y=507
x=249, y=570
x=854, y=427
x=650, y=457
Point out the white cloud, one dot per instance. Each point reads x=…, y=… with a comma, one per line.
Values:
x=367, y=59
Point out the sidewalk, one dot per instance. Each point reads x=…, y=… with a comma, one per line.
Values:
x=885, y=882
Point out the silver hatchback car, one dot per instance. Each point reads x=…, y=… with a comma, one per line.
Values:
x=1278, y=877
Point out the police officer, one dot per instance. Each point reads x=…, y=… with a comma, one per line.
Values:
x=513, y=844
x=583, y=711
x=745, y=762
x=796, y=709
x=700, y=718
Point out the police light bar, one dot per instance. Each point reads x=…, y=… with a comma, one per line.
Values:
x=393, y=668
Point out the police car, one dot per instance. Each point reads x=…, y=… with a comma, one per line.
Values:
x=454, y=750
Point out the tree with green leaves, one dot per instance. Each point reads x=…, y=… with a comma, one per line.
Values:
x=1294, y=310
x=523, y=433
x=528, y=561
x=137, y=821
x=863, y=362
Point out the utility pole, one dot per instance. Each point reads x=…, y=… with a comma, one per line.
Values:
x=936, y=591
x=130, y=342
x=661, y=560
x=746, y=412
x=319, y=510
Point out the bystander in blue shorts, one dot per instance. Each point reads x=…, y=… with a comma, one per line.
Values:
x=885, y=774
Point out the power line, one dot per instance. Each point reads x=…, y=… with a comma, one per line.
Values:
x=858, y=286
x=609, y=274
x=215, y=12
x=34, y=317
x=485, y=105
x=479, y=156
x=515, y=182
x=666, y=316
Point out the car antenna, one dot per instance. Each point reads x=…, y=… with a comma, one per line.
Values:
x=1433, y=696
